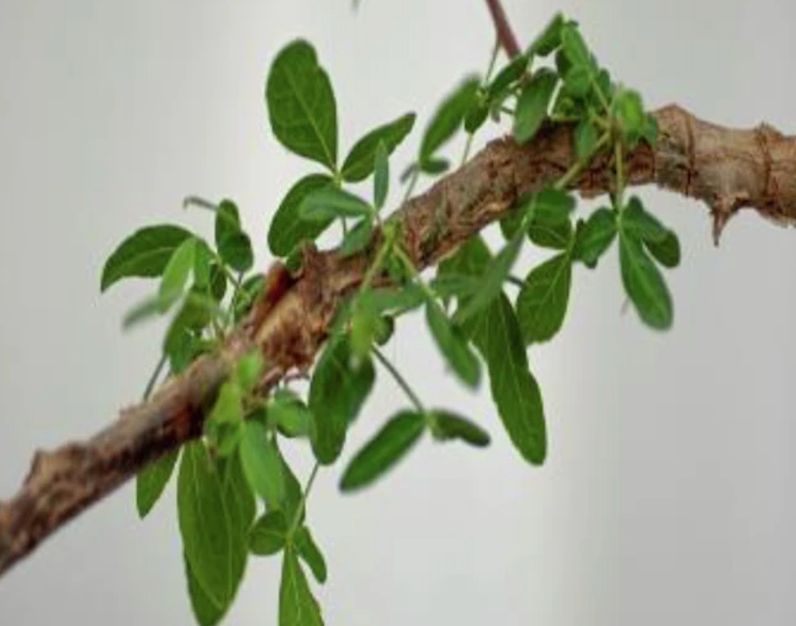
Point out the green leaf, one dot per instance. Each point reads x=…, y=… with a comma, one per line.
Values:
x=261, y=464
x=447, y=119
x=269, y=534
x=382, y=452
x=595, y=237
x=287, y=229
x=408, y=297
x=310, y=553
x=289, y=414
x=585, y=139
x=642, y=225
x=247, y=295
x=149, y=307
x=205, y=524
x=491, y=282
x=297, y=606
x=359, y=163
x=234, y=246
x=453, y=345
x=630, y=111
x=292, y=502
x=506, y=77
x=644, y=284
x=228, y=408
x=330, y=202
x=542, y=302
x=249, y=370
x=301, y=104
x=553, y=206
x=381, y=178
x=476, y=115
x=152, y=480
x=666, y=252
x=202, y=266
x=555, y=236
x=515, y=391
x=434, y=166
x=358, y=238
x=550, y=37
x=574, y=47
x=448, y=426
x=337, y=392
x=533, y=104
x=205, y=610
x=143, y=254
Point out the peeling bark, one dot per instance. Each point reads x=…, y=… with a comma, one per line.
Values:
x=725, y=168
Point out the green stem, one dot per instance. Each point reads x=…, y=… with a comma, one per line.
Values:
x=386, y=246
x=572, y=173
x=402, y=383
x=154, y=378
x=514, y=280
x=620, y=173
x=303, y=502
x=411, y=185
x=199, y=202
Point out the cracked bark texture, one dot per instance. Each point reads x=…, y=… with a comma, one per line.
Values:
x=727, y=169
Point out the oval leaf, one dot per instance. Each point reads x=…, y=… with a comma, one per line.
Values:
x=233, y=244
x=310, y=553
x=287, y=229
x=542, y=302
x=152, y=480
x=595, y=237
x=269, y=534
x=359, y=163
x=297, y=606
x=644, y=284
x=449, y=426
x=533, y=104
x=389, y=445
x=447, y=119
x=330, y=202
x=261, y=464
x=453, y=345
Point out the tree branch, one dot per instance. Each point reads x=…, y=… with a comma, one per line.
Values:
x=503, y=28
x=725, y=168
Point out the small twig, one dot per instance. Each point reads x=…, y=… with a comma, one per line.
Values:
x=503, y=28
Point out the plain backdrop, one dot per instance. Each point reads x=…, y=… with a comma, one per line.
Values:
x=669, y=492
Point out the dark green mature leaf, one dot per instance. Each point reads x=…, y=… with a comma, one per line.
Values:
x=330, y=202
x=447, y=119
x=297, y=606
x=555, y=236
x=337, y=392
x=234, y=245
x=574, y=47
x=301, y=104
x=205, y=610
x=310, y=553
x=509, y=75
x=287, y=229
x=666, y=252
x=152, y=480
x=293, y=493
x=360, y=162
x=515, y=391
x=476, y=116
x=453, y=345
x=289, y=414
x=384, y=299
x=269, y=534
x=381, y=177
x=449, y=426
x=542, y=302
x=384, y=450
x=491, y=281
x=261, y=464
x=644, y=284
x=533, y=104
x=640, y=224
x=550, y=38
x=205, y=524
x=143, y=254
x=595, y=237
x=552, y=206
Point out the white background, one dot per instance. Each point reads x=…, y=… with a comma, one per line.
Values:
x=669, y=492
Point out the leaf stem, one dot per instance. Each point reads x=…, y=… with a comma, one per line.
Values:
x=570, y=175
x=303, y=502
x=402, y=383
x=154, y=377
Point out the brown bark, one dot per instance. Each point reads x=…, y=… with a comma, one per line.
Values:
x=725, y=168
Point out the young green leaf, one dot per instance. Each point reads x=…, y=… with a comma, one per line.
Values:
x=447, y=120
x=381, y=178
x=310, y=553
x=644, y=284
x=477, y=114
x=667, y=251
x=205, y=524
x=640, y=224
x=542, y=302
x=360, y=161
x=228, y=408
x=234, y=245
x=143, y=254
x=331, y=202
x=152, y=480
x=630, y=112
x=301, y=104
x=261, y=464
x=289, y=414
x=287, y=229
x=337, y=392
x=358, y=238
x=595, y=237
x=506, y=77
x=533, y=104
x=585, y=139
x=453, y=345
x=250, y=367
x=389, y=446
x=550, y=37
x=448, y=426
x=574, y=47
x=269, y=534
x=297, y=606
